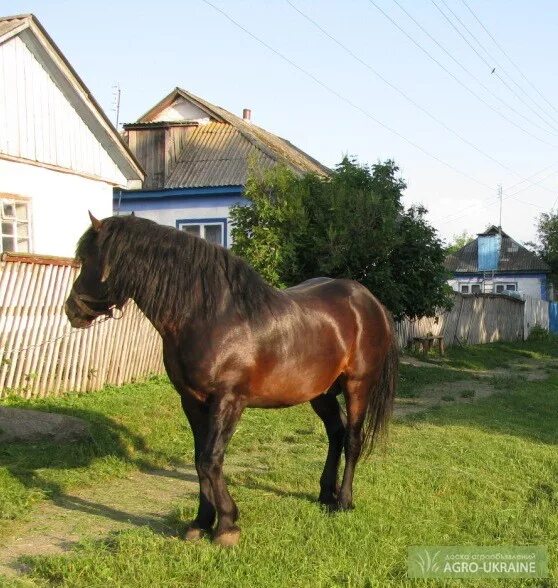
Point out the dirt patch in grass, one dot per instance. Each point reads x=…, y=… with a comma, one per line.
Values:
x=531, y=369
x=480, y=384
x=29, y=426
x=416, y=362
x=141, y=499
x=461, y=392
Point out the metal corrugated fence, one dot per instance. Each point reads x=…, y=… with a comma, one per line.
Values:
x=40, y=353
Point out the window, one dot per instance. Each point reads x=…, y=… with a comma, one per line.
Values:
x=502, y=288
x=470, y=288
x=212, y=230
x=15, y=225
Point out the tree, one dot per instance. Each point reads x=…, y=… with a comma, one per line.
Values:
x=547, y=231
x=350, y=225
x=459, y=241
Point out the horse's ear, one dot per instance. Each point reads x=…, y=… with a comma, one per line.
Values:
x=95, y=223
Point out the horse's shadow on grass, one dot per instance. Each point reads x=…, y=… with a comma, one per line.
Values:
x=27, y=463
x=268, y=489
x=163, y=525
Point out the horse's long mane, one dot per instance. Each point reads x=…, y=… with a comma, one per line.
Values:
x=172, y=274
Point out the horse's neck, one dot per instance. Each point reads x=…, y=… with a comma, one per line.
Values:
x=159, y=312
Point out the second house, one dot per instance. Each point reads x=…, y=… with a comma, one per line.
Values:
x=196, y=157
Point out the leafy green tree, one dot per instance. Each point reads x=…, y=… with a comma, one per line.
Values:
x=547, y=231
x=349, y=225
x=459, y=241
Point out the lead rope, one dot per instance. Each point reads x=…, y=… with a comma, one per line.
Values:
x=6, y=355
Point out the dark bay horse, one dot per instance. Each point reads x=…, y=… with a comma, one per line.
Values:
x=230, y=341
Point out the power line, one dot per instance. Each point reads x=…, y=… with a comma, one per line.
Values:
x=535, y=174
x=467, y=71
x=396, y=88
x=492, y=201
x=341, y=96
x=451, y=216
x=492, y=67
x=508, y=57
x=430, y=56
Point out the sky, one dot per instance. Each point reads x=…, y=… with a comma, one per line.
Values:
x=357, y=78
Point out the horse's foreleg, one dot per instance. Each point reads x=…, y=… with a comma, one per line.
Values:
x=327, y=408
x=224, y=415
x=356, y=393
x=205, y=518
x=198, y=417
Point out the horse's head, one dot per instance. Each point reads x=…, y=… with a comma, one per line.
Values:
x=90, y=297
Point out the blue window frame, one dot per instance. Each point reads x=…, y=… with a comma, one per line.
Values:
x=213, y=230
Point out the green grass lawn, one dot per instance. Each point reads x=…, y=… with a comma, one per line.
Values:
x=481, y=473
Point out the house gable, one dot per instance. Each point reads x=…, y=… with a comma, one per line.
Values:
x=182, y=110
x=511, y=256
x=49, y=117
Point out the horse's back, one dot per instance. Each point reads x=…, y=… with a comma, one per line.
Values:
x=309, y=284
x=334, y=290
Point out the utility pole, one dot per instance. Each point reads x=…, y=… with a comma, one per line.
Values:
x=500, y=196
x=116, y=102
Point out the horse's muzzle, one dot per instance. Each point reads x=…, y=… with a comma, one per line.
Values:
x=78, y=322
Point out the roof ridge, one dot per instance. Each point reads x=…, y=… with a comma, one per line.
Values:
x=24, y=16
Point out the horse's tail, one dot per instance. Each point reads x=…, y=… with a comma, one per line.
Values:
x=382, y=395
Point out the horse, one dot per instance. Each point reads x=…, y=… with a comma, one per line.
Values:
x=231, y=341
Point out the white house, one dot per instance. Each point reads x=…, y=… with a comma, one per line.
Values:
x=196, y=157
x=494, y=263
x=59, y=153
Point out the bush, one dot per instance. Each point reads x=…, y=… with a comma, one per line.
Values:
x=539, y=333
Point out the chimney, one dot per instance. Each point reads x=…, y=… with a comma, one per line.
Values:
x=246, y=114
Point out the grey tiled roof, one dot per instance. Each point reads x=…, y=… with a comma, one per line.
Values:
x=513, y=257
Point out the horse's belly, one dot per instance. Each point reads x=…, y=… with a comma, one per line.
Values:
x=287, y=387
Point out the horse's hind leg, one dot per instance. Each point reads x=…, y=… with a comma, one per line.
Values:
x=327, y=408
x=356, y=393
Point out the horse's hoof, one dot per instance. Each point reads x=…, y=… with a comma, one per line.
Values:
x=228, y=538
x=327, y=498
x=329, y=505
x=193, y=534
x=345, y=506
